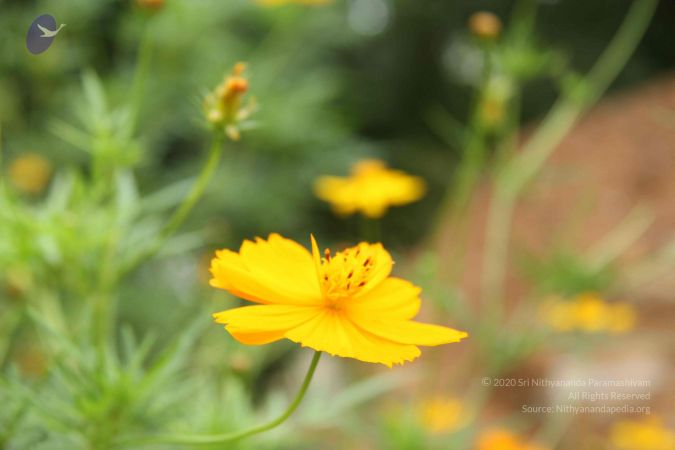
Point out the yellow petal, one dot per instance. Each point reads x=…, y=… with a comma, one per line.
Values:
x=267, y=272
x=410, y=332
x=381, y=268
x=332, y=333
x=262, y=338
x=393, y=298
x=286, y=262
x=316, y=257
x=262, y=324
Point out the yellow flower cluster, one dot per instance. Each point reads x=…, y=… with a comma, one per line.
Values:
x=442, y=414
x=345, y=304
x=500, y=439
x=370, y=189
x=30, y=173
x=224, y=106
x=646, y=434
x=588, y=313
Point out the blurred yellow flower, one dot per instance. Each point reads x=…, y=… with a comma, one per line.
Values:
x=499, y=439
x=223, y=107
x=485, y=25
x=645, y=434
x=30, y=173
x=588, y=313
x=346, y=305
x=442, y=414
x=371, y=189
x=293, y=2
x=31, y=360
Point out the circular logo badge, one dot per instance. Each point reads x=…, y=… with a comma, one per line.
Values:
x=41, y=34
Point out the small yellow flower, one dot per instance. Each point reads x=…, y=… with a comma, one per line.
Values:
x=592, y=313
x=371, y=189
x=30, y=173
x=622, y=318
x=293, y=2
x=485, y=25
x=499, y=439
x=223, y=107
x=588, y=313
x=646, y=434
x=346, y=305
x=442, y=415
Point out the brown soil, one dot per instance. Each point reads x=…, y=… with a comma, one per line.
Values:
x=620, y=155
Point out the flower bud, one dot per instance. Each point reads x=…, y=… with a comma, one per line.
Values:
x=223, y=107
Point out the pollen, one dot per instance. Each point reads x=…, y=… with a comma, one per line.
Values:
x=346, y=273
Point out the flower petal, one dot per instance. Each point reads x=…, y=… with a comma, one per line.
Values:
x=276, y=271
x=333, y=333
x=393, y=298
x=283, y=260
x=410, y=332
x=382, y=264
x=262, y=324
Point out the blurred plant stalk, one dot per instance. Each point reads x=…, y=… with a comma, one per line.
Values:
x=511, y=180
x=197, y=439
x=515, y=170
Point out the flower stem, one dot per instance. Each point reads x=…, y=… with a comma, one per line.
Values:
x=196, y=439
x=181, y=213
x=370, y=229
x=198, y=188
x=141, y=75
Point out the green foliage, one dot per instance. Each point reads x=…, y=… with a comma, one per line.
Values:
x=88, y=269
x=566, y=273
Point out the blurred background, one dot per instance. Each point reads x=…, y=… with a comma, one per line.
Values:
x=103, y=158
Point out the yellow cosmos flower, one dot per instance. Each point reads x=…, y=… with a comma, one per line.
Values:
x=347, y=304
x=646, y=434
x=499, y=439
x=293, y=2
x=442, y=415
x=371, y=189
x=223, y=107
x=588, y=313
x=30, y=173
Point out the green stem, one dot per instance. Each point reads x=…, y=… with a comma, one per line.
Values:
x=522, y=169
x=141, y=74
x=370, y=229
x=197, y=190
x=187, y=439
x=186, y=206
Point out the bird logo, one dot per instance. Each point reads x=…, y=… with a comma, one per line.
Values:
x=41, y=34
x=49, y=33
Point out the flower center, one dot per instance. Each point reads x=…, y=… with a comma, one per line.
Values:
x=344, y=274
